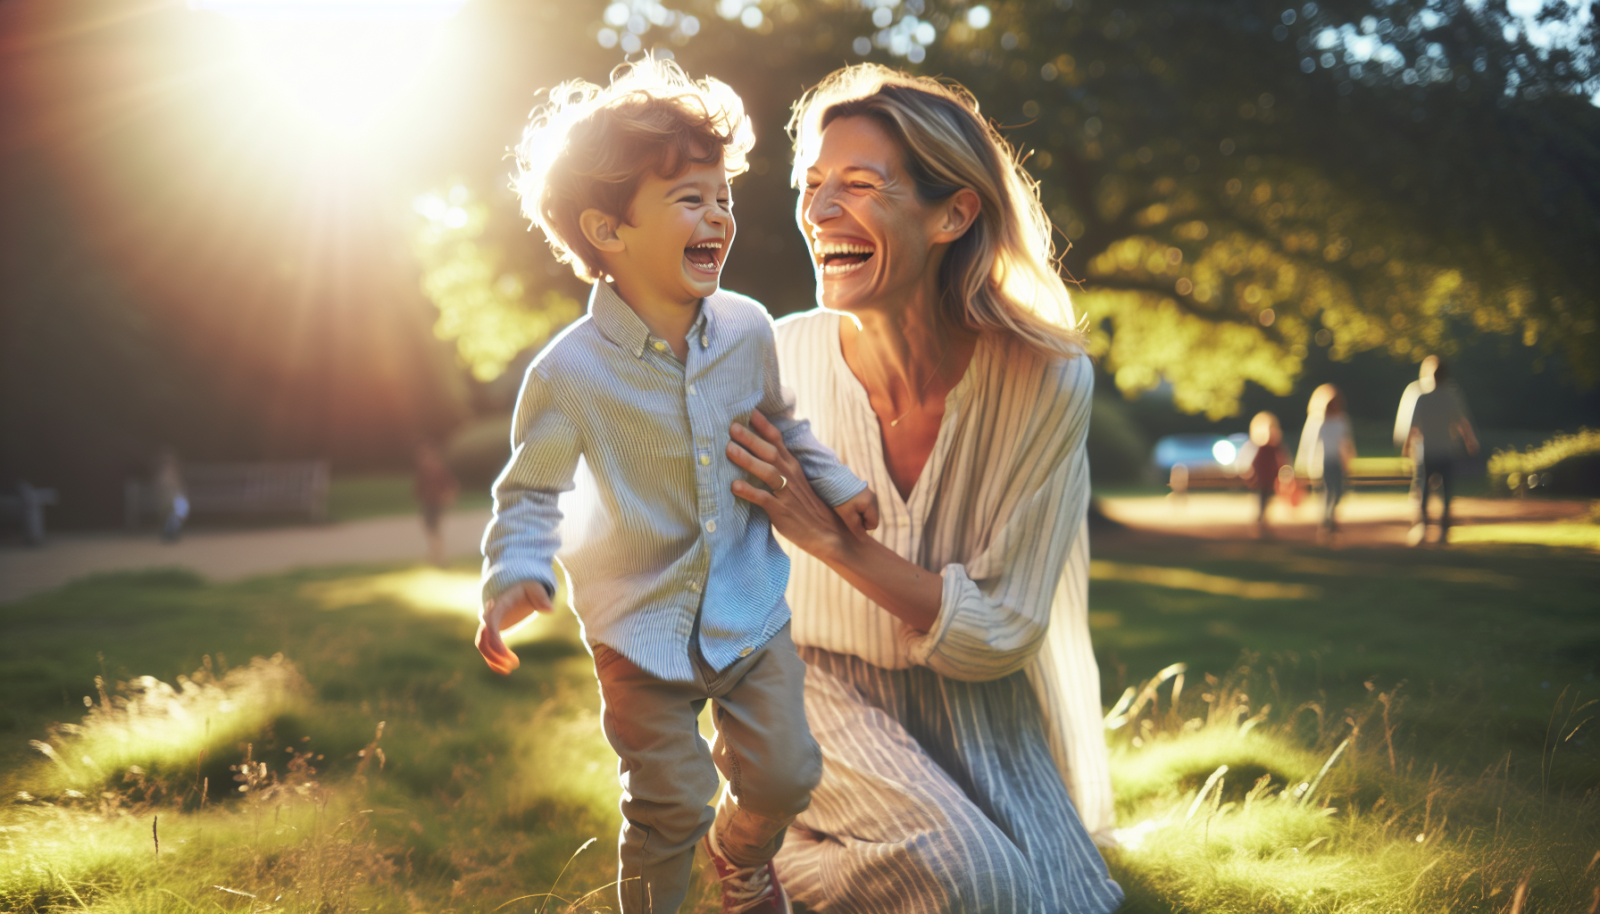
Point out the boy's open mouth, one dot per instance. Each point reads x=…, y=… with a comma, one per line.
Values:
x=706, y=256
x=840, y=257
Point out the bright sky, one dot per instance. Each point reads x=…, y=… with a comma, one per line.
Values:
x=342, y=60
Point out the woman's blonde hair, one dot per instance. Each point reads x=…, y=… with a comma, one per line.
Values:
x=591, y=146
x=1001, y=275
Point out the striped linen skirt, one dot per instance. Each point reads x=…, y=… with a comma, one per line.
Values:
x=937, y=796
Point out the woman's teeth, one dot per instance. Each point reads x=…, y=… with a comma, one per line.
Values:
x=839, y=258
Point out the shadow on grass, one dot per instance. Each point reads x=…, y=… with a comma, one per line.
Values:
x=480, y=789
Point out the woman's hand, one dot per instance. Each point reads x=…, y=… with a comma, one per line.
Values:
x=790, y=502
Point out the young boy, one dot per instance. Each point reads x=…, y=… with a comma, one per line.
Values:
x=679, y=584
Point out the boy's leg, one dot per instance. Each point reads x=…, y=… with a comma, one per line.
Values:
x=765, y=750
x=667, y=780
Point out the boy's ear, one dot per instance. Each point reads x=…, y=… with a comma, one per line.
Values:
x=601, y=231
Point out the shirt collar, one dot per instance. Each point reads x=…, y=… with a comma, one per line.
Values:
x=616, y=320
x=622, y=326
x=702, y=332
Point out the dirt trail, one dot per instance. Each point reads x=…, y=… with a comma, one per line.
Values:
x=1366, y=518
x=1369, y=519
x=228, y=555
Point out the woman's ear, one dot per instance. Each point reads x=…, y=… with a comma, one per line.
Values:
x=600, y=230
x=960, y=211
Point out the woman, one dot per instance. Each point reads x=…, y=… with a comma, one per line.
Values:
x=950, y=681
x=1326, y=449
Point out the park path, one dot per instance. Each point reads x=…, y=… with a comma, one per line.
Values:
x=1373, y=519
x=229, y=555
x=1370, y=519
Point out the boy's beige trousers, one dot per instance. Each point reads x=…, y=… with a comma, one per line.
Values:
x=669, y=774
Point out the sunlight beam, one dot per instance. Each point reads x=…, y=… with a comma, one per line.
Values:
x=343, y=61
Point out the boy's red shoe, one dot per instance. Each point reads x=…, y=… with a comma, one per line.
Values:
x=748, y=891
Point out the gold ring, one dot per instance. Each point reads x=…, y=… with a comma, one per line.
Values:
x=783, y=483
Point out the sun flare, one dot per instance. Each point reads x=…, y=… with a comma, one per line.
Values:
x=342, y=61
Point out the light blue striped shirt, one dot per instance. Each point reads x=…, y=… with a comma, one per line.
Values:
x=668, y=538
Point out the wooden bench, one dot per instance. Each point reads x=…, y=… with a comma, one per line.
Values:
x=25, y=508
x=238, y=489
x=1364, y=473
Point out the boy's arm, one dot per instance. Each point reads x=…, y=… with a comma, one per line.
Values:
x=521, y=541
x=831, y=480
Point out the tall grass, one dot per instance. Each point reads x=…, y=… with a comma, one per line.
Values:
x=385, y=769
x=1233, y=804
x=155, y=733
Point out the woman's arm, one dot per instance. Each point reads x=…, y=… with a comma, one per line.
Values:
x=906, y=590
x=987, y=616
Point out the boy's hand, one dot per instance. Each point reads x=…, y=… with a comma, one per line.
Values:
x=860, y=513
x=503, y=615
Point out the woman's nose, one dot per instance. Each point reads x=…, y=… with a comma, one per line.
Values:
x=823, y=204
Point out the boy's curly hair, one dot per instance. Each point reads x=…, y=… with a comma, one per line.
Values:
x=590, y=147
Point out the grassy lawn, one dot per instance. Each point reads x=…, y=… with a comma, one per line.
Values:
x=388, y=770
x=1459, y=682
x=385, y=495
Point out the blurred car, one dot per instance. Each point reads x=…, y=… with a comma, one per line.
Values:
x=1202, y=459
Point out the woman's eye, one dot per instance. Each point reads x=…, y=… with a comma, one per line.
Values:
x=692, y=198
x=860, y=185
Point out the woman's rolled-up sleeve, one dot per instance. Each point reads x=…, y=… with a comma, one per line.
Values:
x=995, y=607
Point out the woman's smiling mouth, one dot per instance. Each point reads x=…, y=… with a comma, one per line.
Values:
x=841, y=257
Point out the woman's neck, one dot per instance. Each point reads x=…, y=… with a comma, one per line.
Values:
x=906, y=355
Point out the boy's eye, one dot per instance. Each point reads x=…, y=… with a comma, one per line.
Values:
x=692, y=198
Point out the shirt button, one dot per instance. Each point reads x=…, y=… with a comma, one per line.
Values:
x=661, y=346
x=704, y=341
x=711, y=526
x=691, y=389
x=705, y=460
x=694, y=586
x=746, y=652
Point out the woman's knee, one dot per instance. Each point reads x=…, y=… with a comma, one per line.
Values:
x=961, y=868
x=995, y=877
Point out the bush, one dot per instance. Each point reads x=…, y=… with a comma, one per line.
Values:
x=1564, y=465
x=1118, y=451
x=477, y=452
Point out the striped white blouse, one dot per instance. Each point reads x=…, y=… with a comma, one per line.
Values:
x=999, y=512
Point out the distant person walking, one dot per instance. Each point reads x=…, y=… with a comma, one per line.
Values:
x=171, y=495
x=1266, y=465
x=1434, y=429
x=436, y=490
x=1326, y=449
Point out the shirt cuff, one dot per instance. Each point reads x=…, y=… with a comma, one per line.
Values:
x=501, y=576
x=837, y=486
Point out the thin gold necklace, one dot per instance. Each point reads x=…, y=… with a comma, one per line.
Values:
x=917, y=400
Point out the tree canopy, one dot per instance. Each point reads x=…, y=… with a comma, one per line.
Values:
x=1240, y=181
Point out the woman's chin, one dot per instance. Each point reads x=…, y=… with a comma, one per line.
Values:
x=842, y=293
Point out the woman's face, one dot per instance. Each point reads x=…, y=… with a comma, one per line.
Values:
x=873, y=240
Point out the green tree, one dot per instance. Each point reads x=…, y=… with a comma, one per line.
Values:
x=1241, y=180
x=483, y=307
